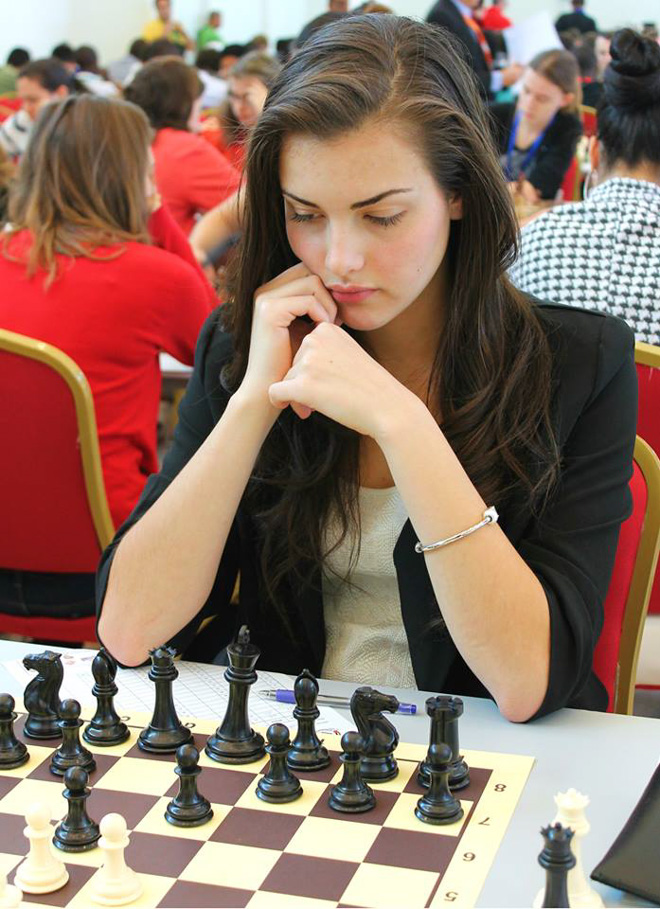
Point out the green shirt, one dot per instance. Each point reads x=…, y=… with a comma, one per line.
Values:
x=7, y=79
x=207, y=34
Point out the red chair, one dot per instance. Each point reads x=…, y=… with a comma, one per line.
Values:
x=55, y=511
x=647, y=358
x=571, y=186
x=589, y=120
x=617, y=651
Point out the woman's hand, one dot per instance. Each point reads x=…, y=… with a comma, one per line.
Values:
x=331, y=373
x=286, y=309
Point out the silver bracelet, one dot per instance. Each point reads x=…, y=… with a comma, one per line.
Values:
x=490, y=517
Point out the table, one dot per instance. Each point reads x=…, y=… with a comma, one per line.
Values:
x=610, y=758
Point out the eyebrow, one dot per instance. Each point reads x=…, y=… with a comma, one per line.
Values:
x=355, y=205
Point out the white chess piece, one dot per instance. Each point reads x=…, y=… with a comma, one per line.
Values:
x=42, y=871
x=114, y=884
x=10, y=896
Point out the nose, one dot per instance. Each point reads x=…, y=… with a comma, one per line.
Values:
x=344, y=254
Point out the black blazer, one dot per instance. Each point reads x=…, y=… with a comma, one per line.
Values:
x=580, y=21
x=570, y=548
x=553, y=156
x=446, y=14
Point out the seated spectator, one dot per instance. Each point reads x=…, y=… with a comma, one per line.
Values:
x=601, y=45
x=122, y=71
x=38, y=83
x=208, y=69
x=7, y=170
x=591, y=88
x=66, y=55
x=493, y=19
x=164, y=26
x=208, y=35
x=163, y=47
x=577, y=19
x=230, y=55
x=604, y=253
x=89, y=74
x=537, y=136
x=191, y=175
x=17, y=58
x=95, y=265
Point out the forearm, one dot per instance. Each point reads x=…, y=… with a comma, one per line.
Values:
x=494, y=606
x=216, y=225
x=165, y=566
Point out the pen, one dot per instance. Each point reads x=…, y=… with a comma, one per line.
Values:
x=284, y=696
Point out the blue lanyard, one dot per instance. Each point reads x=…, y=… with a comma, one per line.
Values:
x=531, y=151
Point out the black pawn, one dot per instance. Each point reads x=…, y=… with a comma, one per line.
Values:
x=105, y=727
x=438, y=805
x=279, y=784
x=165, y=733
x=188, y=808
x=351, y=795
x=235, y=741
x=307, y=751
x=77, y=832
x=557, y=859
x=71, y=752
x=12, y=752
x=445, y=712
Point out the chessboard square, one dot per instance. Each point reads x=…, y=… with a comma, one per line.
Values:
x=9, y=862
x=312, y=792
x=154, y=889
x=103, y=764
x=408, y=751
x=377, y=816
x=403, y=817
x=114, y=750
x=79, y=876
x=29, y=791
x=406, y=770
x=261, y=828
x=148, y=853
x=263, y=899
x=11, y=834
x=301, y=875
x=7, y=783
x=252, y=769
x=223, y=787
x=132, y=806
x=412, y=849
x=384, y=885
x=154, y=822
x=325, y=775
x=331, y=839
x=227, y=865
x=133, y=775
x=136, y=753
x=37, y=756
x=204, y=896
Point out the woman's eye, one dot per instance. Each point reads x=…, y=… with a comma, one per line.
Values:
x=385, y=222
x=300, y=218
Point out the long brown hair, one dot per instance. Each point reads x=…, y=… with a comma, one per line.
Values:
x=491, y=377
x=561, y=68
x=81, y=183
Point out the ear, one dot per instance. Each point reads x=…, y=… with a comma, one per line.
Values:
x=61, y=91
x=594, y=153
x=455, y=208
x=569, y=98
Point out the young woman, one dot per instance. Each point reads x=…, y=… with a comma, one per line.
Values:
x=375, y=382
x=538, y=135
x=38, y=83
x=191, y=175
x=95, y=266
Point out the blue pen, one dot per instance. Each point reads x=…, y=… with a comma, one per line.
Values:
x=284, y=696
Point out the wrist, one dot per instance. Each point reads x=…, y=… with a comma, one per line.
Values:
x=255, y=404
x=399, y=418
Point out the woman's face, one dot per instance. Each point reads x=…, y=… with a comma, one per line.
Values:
x=540, y=99
x=247, y=96
x=34, y=96
x=365, y=214
x=602, y=50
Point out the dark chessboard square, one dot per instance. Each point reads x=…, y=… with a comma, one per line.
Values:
x=224, y=787
x=473, y=791
x=300, y=875
x=249, y=827
x=78, y=877
x=205, y=896
x=165, y=855
x=131, y=805
x=405, y=848
x=135, y=751
x=7, y=783
x=103, y=763
x=384, y=803
x=11, y=834
x=19, y=724
x=318, y=776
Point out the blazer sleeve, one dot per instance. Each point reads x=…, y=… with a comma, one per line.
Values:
x=196, y=421
x=555, y=156
x=571, y=547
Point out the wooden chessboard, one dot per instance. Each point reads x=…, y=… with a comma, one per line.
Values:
x=301, y=854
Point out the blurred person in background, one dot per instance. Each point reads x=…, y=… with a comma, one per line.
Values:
x=494, y=20
x=91, y=76
x=164, y=26
x=209, y=34
x=230, y=55
x=37, y=84
x=7, y=171
x=207, y=63
x=17, y=58
x=577, y=19
x=603, y=57
x=122, y=70
x=66, y=55
x=592, y=89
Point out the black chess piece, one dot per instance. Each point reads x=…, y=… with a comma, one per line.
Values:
x=279, y=784
x=77, y=832
x=445, y=712
x=71, y=753
x=351, y=794
x=105, y=728
x=307, y=751
x=438, y=805
x=379, y=735
x=234, y=741
x=42, y=695
x=165, y=733
x=12, y=752
x=557, y=859
x=188, y=808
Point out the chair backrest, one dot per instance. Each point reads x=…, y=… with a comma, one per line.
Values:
x=647, y=358
x=572, y=182
x=55, y=511
x=617, y=652
x=589, y=120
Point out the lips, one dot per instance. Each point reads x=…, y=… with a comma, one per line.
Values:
x=350, y=293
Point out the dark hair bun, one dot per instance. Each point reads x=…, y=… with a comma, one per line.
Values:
x=632, y=80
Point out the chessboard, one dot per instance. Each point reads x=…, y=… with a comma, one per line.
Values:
x=251, y=853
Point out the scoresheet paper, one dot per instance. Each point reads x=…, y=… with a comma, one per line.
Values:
x=199, y=692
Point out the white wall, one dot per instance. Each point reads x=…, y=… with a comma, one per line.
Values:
x=110, y=25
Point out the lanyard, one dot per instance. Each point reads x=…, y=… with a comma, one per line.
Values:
x=531, y=151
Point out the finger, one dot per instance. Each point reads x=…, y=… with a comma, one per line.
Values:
x=287, y=392
x=305, y=286
x=283, y=312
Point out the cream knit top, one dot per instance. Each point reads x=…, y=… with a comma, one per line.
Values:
x=365, y=637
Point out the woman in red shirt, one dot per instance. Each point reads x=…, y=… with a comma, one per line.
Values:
x=191, y=175
x=95, y=266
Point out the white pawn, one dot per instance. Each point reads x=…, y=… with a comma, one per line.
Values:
x=42, y=871
x=10, y=896
x=114, y=884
